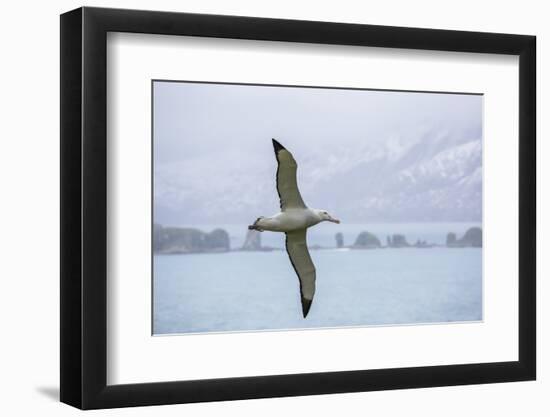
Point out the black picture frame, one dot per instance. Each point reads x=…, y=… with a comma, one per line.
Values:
x=84, y=207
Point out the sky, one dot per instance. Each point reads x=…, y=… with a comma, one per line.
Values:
x=363, y=155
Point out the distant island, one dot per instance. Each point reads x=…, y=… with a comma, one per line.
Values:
x=472, y=238
x=253, y=242
x=182, y=240
x=177, y=240
x=366, y=240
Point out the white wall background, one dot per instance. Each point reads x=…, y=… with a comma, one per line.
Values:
x=29, y=176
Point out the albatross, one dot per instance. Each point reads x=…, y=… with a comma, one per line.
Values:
x=294, y=219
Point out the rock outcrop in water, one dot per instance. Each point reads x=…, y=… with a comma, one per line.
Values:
x=451, y=239
x=339, y=240
x=366, y=240
x=397, y=241
x=422, y=244
x=174, y=240
x=253, y=241
x=473, y=238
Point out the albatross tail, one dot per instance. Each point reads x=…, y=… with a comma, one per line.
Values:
x=256, y=226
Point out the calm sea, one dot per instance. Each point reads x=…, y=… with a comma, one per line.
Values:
x=244, y=291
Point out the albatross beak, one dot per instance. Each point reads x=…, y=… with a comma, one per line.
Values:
x=333, y=220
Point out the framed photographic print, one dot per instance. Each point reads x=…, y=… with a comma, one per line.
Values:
x=256, y=207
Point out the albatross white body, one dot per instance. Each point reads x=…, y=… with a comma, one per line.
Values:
x=294, y=219
x=290, y=220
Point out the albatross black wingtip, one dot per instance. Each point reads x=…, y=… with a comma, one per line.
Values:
x=277, y=146
x=306, y=305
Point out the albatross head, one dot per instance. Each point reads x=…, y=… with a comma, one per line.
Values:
x=325, y=216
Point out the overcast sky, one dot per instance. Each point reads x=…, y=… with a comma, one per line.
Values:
x=366, y=155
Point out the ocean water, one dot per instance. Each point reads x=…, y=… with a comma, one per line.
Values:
x=247, y=291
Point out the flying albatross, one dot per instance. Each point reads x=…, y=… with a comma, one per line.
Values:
x=294, y=219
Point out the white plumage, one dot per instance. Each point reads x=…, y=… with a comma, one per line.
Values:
x=294, y=220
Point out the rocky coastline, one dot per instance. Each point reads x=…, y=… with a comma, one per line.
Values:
x=183, y=240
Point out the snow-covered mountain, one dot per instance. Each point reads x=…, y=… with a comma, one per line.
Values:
x=435, y=177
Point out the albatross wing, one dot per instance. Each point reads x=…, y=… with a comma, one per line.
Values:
x=298, y=253
x=287, y=186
